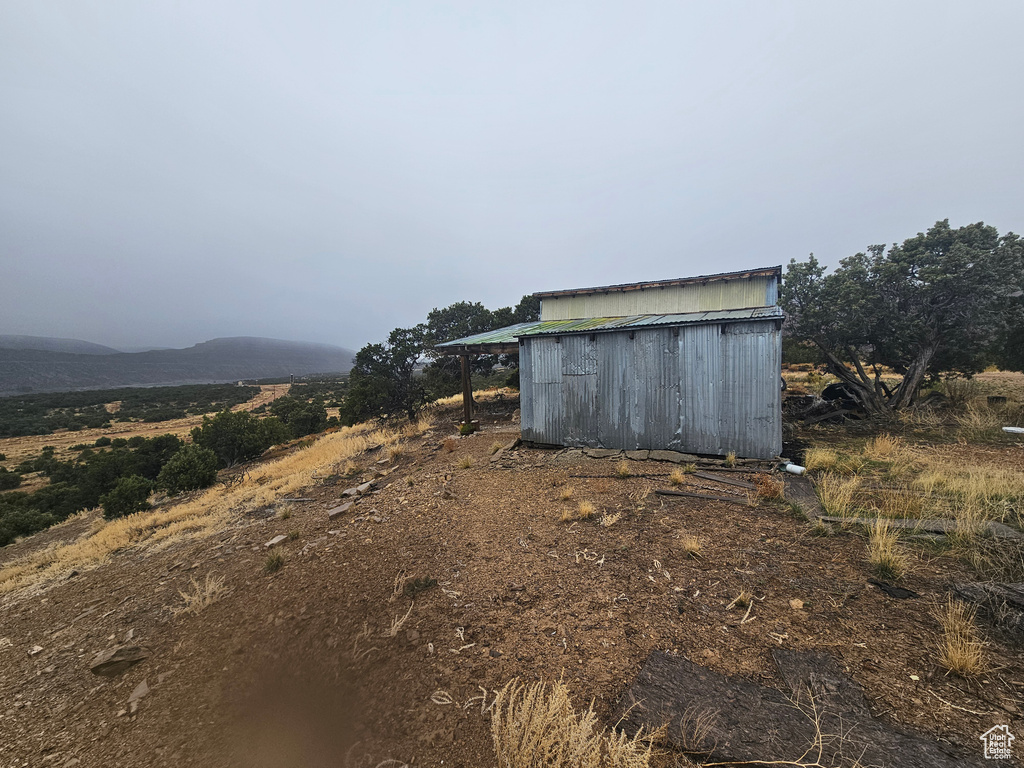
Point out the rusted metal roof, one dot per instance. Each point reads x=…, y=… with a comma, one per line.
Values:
x=505, y=339
x=746, y=274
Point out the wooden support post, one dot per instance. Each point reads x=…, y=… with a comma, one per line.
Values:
x=467, y=392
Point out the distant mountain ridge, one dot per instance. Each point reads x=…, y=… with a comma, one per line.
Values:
x=26, y=369
x=51, y=344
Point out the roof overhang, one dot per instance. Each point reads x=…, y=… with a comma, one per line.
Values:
x=506, y=340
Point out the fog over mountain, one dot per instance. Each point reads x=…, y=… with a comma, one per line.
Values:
x=46, y=369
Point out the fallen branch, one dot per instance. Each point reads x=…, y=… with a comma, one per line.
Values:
x=732, y=500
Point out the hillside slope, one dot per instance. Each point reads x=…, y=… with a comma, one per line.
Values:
x=381, y=635
x=53, y=344
x=36, y=370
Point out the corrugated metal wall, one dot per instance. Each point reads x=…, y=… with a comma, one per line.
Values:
x=701, y=389
x=717, y=294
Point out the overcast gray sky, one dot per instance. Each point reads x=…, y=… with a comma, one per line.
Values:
x=172, y=172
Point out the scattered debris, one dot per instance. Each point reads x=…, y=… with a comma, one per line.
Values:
x=731, y=499
x=892, y=591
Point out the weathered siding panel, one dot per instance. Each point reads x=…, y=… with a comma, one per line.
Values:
x=710, y=389
x=717, y=294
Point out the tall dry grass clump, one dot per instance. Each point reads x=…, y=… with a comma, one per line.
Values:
x=824, y=459
x=887, y=559
x=202, y=595
x=961, y=649
x=837, y=493
x=536, y=726
x=885, y=447
x=768, y=487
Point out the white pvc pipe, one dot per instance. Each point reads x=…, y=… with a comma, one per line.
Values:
x=1014, y=430
x=795, y=469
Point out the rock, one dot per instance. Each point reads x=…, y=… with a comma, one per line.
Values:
x=35, y=650
x=638, y=455
x=412, y=636
x=364, y=488
x=275, y=541
x=754, y=722
x=601, y=453
x=142, y=689
x=495, y=653
x=338, y=511
x=116, y=660
x=349, y=492
x=673, y=456
x=796, y=605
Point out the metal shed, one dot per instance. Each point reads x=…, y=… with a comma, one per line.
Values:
x=691, y=374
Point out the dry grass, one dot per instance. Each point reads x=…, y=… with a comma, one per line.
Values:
x=622, y=469
x=398, y=621
x=585, y=510
x=496, y=446
x=742, y=600
x=885, y=447
x=567, y=516
x=690, y=545
x=417, y=428
x=273, y=563
x=887, y=559
x=285, y=511
x=977, y=422
x=565, y=493
x=961, y=649
x=395, y=451
x=768, y=487
x=537, y=726
x=200, y=515
x=465, y=462
x=730, y=459
x=824, y=459
x=836, y=493
x=678, y=477
x=611, y=519
x=202, y=594
x=449, y=444
x=896, y=502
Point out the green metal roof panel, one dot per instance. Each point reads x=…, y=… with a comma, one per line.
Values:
x=513, y=333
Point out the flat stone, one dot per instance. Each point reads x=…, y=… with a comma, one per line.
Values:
x=275, y=541
x=601, y=453
x=364, y=488
x=638, y=455
x=749, y=722
x=673, y=456
x=350, y=492
x=116, y=660
x=35, y=650
x=338, y=511
x=142, y=689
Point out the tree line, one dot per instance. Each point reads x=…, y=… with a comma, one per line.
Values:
x=382, y=383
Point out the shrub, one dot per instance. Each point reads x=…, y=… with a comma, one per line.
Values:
x=119, y=442
x=130, y=495
x=9, y=480
x=236, y=436
x=102, y=442
x=190, y=468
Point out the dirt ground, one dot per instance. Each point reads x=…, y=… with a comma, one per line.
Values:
x=300, y=667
